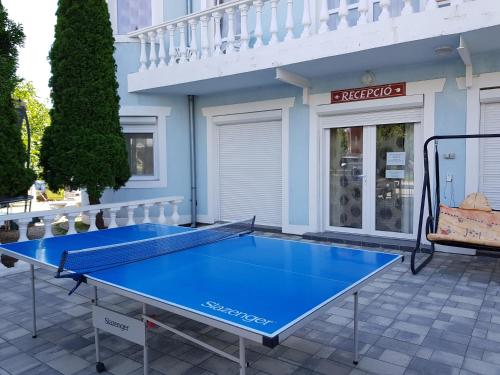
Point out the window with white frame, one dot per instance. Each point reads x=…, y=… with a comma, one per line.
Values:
x=374, y=10
x=133, y=15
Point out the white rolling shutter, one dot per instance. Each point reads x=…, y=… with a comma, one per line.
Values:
x=249, y=166
x=489, y=175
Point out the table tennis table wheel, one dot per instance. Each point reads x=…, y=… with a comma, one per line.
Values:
x=355, y=363
x=99, y=367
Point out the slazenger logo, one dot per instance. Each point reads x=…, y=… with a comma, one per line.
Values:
x=242, y=315
x=121, y=326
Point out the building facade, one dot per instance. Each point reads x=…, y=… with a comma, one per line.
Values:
x=309, y=114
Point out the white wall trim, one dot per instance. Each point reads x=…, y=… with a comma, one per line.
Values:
x=251, y=111
x=474, y=93
x=415, y=91
x=161, y=113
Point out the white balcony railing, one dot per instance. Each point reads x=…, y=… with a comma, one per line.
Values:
x=111, y=209
x=167, y=44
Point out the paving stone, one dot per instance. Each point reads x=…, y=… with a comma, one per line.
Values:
x=68, y=364
x=396, y=358
x=481, y=367
x=120, y=365
x=428, y=367
x=380, y=367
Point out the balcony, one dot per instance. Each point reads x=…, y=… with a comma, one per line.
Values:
x=241, y=43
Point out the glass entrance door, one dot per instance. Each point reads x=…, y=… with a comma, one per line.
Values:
x=371, y=179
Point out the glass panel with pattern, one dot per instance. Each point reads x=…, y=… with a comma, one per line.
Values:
x=140, y=153
x=133, y=15
x=346, y=177
x=394, y=195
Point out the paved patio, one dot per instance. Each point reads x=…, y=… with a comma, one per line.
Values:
x=444, y=321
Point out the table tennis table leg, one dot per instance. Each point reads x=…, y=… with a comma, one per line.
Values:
x=356, y=332
x=33, y=301
x=99, y=366
x=145, y=353
x=243, y=357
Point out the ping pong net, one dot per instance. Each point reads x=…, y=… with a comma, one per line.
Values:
x=77, y=263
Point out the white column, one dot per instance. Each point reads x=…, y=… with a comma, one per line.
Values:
x=384, y=14
x=175, y=212
x=244, y=27
x=171, y=44
x=273, y=28
x=306, y=20
x=147, y=219
x=323, y=17
x=204, y=37
x=407, y=8
x=363, y=12
x=161, y=53
x=258, y=24
x=230, y=30
x=23, y=229
x=143, y=59
x=47, y=223
x=289, y=20
x=152, y=50
x=161, y=217
x=182, y=42
x=343, y=12
x=112, y=217
x=193, y=44
x=431, y=4
x=217, y=37
x=130, y=215
x=92, y=216
x=71, y=223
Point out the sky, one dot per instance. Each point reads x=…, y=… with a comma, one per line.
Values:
x=38, y=20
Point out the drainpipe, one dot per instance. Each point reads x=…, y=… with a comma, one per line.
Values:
x=192, y=137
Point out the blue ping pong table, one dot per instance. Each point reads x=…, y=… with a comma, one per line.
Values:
x=259, y=288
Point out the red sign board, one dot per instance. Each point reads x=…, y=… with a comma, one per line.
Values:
x=369, y=93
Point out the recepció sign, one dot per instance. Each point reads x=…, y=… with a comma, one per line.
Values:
x=369, y=93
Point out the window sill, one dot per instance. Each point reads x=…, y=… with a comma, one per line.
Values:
x=125, y=39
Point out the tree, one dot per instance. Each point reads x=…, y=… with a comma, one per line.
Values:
x=15, y=177
x=84, y=146
x=38, y=117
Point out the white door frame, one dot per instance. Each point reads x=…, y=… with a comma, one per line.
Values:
x=246, y=112
x=320, y=105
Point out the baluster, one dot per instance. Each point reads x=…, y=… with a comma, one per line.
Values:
x=47, y=223
x=130, y=215
x=23, y=229
x=152, y=50
x=289, y=20
x=171, y=44
x=230, y=31
x=343, y=12
x=244, y=27
x=161, y=217
x=147, y=219
x=306, y=20
x=217, y=38
x=363, y=12
x=193, y=45
x=407, y=8
x=182, y=42
x=92, y=219
x=384, y=14
x=323, y=17
x=258, y=24
x=112, y=217
x=273, y=28
x=431, y=4
x=161, y=53
x=71, y=223
x=175, y=212
x=143, y=59
x=204, y=38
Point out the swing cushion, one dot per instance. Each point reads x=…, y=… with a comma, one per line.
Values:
x=476, y=227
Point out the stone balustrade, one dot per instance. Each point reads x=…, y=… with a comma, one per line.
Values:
x=142, y=207
x=199, y=35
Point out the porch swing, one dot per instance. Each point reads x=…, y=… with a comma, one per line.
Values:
x=472, y=225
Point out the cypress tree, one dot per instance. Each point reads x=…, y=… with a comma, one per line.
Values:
x=84, y=146
x=15, y=178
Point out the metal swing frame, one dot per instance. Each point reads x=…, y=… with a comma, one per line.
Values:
x=432, y=221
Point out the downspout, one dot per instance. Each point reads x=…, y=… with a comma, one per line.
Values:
x=192, y=138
